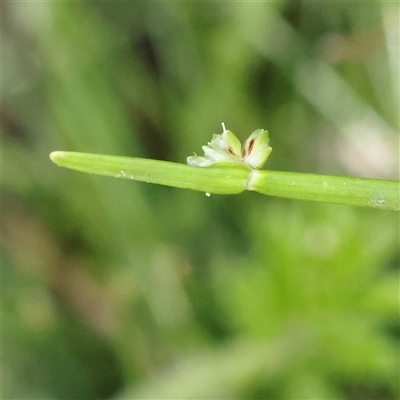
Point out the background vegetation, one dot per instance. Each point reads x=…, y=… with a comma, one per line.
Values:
x=117, y=289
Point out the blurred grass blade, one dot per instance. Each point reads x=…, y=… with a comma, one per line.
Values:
x=365, y=192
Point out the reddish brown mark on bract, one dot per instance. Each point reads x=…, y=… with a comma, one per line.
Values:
x=250, y=148
x=231, y=150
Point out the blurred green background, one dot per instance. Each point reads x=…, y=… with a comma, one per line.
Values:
x=113, y=289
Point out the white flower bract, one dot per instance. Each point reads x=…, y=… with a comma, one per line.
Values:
x=226, y=148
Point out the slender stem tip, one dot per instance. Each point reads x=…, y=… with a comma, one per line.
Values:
x=56, y=156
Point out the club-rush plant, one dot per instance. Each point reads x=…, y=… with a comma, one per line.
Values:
x=229, y=168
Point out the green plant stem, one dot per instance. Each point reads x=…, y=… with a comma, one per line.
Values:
x=234, y=179
x=366, y=192
x=229, y=179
